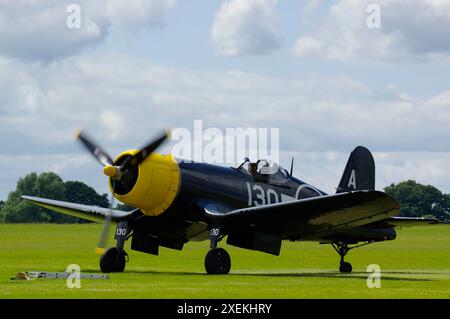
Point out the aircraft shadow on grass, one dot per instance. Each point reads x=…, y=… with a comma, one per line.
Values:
x=388, y=275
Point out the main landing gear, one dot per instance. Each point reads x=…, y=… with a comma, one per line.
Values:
x=342, y=249
x=115, y=258
x=217, y=260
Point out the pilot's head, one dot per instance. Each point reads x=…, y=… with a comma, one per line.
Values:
x=253, y=168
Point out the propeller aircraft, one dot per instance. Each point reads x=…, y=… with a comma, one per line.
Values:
x=254, y=205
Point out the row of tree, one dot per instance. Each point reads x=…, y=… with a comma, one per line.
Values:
x=47, y=185
x=420, y=200
x=416, y=200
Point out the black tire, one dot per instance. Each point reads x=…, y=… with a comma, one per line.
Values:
x=113, y=260
x=345, y=268
x=217, y=262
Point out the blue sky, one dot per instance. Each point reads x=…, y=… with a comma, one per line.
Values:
x=311, y=68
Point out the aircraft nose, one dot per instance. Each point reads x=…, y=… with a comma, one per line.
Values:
x=157, y=184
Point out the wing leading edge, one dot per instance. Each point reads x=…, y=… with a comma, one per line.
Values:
x=92, y=213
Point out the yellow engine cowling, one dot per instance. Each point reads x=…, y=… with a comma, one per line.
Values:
x=157, y=184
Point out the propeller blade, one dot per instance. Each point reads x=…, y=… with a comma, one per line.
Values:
x=116, y=173
x=103, y=242
x=93, y=148
x=145, y=151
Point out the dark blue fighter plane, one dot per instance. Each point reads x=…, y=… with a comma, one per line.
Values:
x=255, y=206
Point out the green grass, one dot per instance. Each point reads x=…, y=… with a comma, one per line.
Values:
x=416, y=265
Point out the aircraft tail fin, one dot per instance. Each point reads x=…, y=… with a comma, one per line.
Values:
x=359, y=173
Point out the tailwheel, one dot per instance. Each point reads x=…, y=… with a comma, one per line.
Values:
x=217, y=262
x=113, y=260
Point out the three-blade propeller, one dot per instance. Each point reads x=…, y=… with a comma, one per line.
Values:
x=116, y=172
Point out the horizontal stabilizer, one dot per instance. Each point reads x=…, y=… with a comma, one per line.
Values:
x=411, y=221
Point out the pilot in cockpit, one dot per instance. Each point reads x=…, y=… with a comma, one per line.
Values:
x=253, y=169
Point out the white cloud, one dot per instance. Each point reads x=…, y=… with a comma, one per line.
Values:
x=135, y=97
x=37, y=30
x=412, y=30
x=310, y=7
x=326, y=116
x=324, y=169
x=321, y=118
x=138, y=12
x=430, y=168
x=112, y=123
x=246, y=27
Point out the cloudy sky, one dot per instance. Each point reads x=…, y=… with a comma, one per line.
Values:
x=313, y=69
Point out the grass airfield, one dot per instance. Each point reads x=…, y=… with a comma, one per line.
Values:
x=415, y=265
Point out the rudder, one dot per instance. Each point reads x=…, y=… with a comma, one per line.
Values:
x=359, y=173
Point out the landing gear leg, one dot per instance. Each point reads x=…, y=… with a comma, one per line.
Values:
x=114, y=258
x=342, y=249
x=217, y=260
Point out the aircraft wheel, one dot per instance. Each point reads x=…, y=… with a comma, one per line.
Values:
x=217, y=262
x=113, y=260
x=345, y=267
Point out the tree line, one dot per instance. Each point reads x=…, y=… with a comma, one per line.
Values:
x=49, y=185
x=416, y=200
